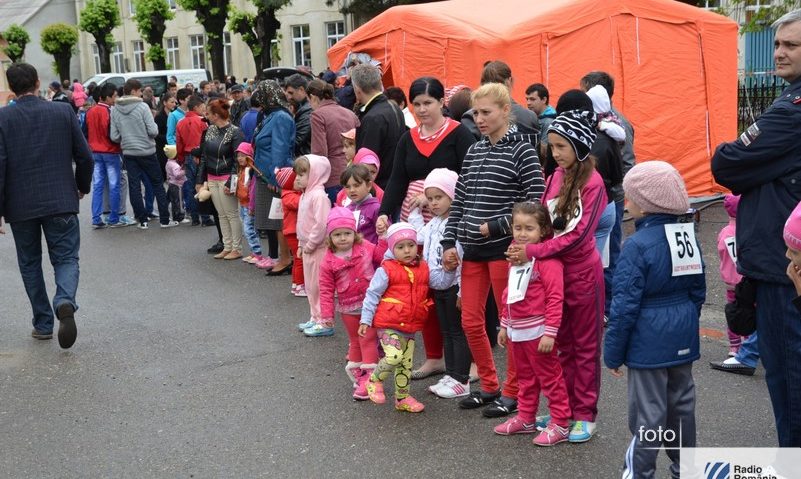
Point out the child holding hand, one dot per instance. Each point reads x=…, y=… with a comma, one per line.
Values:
x=290, y=202
x=397, y=305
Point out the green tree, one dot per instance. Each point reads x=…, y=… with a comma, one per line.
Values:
x=364, y=10
x=212, y=14
x=99, y=18
x=258, y=30
x=59, y=40
x=16, y=38
x=151, y=21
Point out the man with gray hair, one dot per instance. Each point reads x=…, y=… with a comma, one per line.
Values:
x=295, y=88
x=764, y=166
x=382, y=122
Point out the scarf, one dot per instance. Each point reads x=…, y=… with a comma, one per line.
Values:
x=427, y=144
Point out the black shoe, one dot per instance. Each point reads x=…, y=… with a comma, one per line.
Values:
x=195, y=222
x=285, y=270
x=98, y=226
x=209, y=222
x=500, y=407
x=67, y=332
x=37, y=335
x=216, y=248
x=151, y=216
x=738, y=368
x=477, y=399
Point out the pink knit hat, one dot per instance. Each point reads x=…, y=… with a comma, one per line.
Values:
x=398, y=232
x=365, y=156
x=442, y=178
x=656, y=187
x=340, y=217
x=730, y=203
x=245, y=148
x=792, y=229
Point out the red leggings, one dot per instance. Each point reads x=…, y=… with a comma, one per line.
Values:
x=477, y=277
x=297, y=263
x=360, y=349
x=432, y=336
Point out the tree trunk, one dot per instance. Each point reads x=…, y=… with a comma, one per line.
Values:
x=217, y=60
x=266, y=28
x=105, y=56
x=160, y=64
x=63, y=64
x=259, y=67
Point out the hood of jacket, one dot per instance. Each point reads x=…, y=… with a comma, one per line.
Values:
x=600, y=99
x=127, y=104
x=319, y=170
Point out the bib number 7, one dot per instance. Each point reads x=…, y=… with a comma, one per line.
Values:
x=519, y=277
x=685, y=256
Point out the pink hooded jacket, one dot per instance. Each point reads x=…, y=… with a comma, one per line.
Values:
x=314, y=205
x=727, y=247
x=348, y=278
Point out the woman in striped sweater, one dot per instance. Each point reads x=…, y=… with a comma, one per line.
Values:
x=500, y=170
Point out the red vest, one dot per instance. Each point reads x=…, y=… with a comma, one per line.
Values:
x=404, y=305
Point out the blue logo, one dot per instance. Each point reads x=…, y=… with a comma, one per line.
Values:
x=717, y=470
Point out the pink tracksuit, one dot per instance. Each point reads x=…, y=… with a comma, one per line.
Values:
x=312, y=218
x=728, y=272
x=579, y=338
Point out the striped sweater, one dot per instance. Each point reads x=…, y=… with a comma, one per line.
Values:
x=492, y=180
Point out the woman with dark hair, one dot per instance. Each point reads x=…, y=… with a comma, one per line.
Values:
x=437, y=142
x=457, y=100
x=217, y=164
x=166, y=105
x=328, y=122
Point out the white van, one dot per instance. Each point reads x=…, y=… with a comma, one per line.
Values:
x=157, y=80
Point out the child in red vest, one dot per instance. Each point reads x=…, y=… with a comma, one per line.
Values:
x=397, y=306
x=290, y=201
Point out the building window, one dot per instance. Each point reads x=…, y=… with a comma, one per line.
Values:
x=275, y=51
x=118, y=58
x=335, y=31
x=96, y=58
x=172, y=53
x=173, y=5
x=197, y=43
x=227, y=57
x=139, y=55
x=301, y=42
x=132, y=8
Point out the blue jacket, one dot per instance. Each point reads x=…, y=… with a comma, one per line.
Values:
x=39, y=143
x=274, y=144
x=764, y=166
x=653, y=322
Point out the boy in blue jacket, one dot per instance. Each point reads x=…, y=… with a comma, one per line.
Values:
x=657, y=293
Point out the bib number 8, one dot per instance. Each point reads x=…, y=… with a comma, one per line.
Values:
x=685, y=244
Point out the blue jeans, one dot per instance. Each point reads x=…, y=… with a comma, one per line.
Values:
x=149, y=195
x=63, y=236
x=190, y=203
x=748, y=354
x=605, y=226
x=147, y=169
x=107, y=169
x=779, y=328
x=615, y=245
x=249, y=229
x=332, y=192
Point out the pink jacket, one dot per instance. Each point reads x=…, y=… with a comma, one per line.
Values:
x=348, y=278
x=728, y=269
x=575, y=249
x=542, y=306
x=314, y=206
x=175, y=174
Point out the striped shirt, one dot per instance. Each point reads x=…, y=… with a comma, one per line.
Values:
x=492, y=180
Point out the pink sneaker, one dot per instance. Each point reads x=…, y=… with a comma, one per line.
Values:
x=265, y=263
x=552, y=435
x=360, y=393
x=354, y=372
x=300, y=292
x=515, y=426
x=254, y=259
x=409, y=404
x=375, y=392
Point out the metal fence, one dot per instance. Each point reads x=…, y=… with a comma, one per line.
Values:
x=754, y=95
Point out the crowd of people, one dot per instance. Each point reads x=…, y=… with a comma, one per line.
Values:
x=399, y=224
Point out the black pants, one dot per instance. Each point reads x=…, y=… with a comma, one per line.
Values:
x=146, y=168
x=174, y=199
x=457, y=352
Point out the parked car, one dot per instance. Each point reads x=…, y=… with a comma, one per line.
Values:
x=157, y=79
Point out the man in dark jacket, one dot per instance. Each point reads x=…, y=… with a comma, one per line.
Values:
x=381, y=121
x=39, y=193
x=240, y=104
x=764, y=167
x=296, y=93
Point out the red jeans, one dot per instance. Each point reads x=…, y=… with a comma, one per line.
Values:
x=537, y=372
x=432, y=336
x=360, y=349
x=297, y=263
x=477, y=277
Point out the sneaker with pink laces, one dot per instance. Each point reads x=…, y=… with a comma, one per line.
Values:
x=375, y=391
x=265, y=263
x=515, y=426
x=552, y=435
x=409, y=404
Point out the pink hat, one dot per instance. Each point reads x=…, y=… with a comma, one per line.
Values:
x=285, y=177
x=365, y=156
x=792, y=229
x=350, y=134
x=398, y=232
x=245, y=148
x=730, y=203
x=656, y=187
x=340, y=217
x=442, y=178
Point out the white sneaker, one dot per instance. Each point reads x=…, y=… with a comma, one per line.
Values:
x=171, y=224
x=185, y=221
x=440, y=384
x=453, y=389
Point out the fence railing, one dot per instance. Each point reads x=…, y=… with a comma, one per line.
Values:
x=755, y=94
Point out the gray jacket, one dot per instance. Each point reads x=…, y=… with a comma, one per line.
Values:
x=133, y=127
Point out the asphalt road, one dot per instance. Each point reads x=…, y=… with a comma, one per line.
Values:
x=186, y=366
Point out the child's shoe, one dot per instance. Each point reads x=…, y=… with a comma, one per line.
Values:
x=440, y=384
x=409, y=404
x=360, y=393
x=265, y=263
x=581, y=431
x=247, y=258
x=308, y=324
x=375, y=391
x=477, y=399
x=552, y=435
x=354, y=371
x=453, y=389
x=515, y=426
x=318, y=330
x=503, y=406
x=300, y=292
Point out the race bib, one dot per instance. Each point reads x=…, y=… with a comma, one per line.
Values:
x=685, y=257
x=519, y=277
x=276, y=210
x=573, y=222
x=731, y=248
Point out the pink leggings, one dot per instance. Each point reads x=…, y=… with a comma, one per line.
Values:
x=311, y=272
x=360, y=349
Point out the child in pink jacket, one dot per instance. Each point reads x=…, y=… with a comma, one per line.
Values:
x=727, y=250
x=312, y=172
x=345, y=273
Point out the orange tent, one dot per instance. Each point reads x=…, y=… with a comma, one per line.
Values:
x=675, y=65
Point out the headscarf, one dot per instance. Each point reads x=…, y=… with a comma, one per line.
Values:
x=270, y=95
